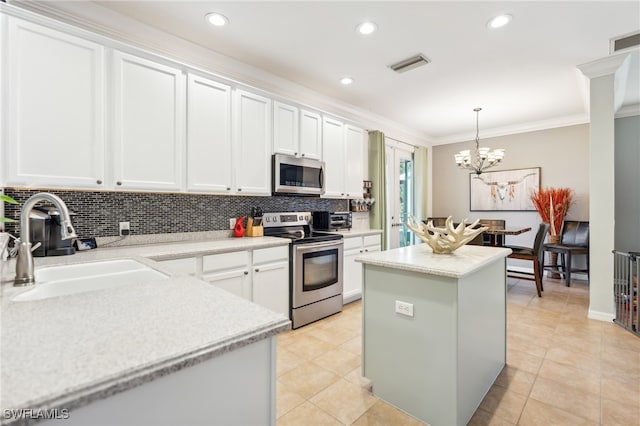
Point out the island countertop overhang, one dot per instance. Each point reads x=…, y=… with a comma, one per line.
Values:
x=420, y=258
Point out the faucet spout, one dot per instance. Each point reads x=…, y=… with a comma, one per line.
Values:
x=24, y=261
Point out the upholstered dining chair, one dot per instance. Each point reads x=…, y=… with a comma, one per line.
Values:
x=534, y=254
x=574, y=241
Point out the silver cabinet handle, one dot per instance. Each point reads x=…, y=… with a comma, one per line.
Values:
x=118, y=183
x=246, y=272
x=239, y=189
x=257, y=270
x=99, y=182
x=228, y=188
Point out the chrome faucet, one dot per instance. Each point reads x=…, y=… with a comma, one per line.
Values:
x=24, y=261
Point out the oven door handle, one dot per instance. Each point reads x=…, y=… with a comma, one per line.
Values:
x=312, y=247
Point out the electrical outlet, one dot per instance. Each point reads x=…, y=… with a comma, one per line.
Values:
x=404, y=308
x=124, y=228
x=232, y=223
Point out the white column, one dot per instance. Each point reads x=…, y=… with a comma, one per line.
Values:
x=604, y=91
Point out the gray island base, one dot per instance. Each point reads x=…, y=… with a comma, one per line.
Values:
x=434, y=328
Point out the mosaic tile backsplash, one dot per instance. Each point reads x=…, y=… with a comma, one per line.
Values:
x=97, y=213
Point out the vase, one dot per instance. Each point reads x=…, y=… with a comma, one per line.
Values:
x=553, y=257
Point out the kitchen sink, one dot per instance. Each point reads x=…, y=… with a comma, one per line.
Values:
x=63, y=280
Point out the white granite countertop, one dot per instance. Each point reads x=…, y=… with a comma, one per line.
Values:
x=65, y=352
x=420, y=258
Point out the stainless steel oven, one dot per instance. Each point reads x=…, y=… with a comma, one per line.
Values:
x=316, y=266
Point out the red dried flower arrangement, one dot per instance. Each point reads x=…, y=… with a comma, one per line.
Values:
x=552, y=205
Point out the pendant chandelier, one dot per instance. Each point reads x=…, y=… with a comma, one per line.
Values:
x=482, y=158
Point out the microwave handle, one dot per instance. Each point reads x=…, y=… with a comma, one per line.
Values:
x=321, y=178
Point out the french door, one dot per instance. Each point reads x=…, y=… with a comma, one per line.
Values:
x=400, y=179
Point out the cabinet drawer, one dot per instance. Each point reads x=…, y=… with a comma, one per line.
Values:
x=352, y=242
x=217, y=262
x=270, y=254
x=180, y=266
x=372, y=240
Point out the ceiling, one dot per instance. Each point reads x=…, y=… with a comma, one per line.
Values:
x=522, y=74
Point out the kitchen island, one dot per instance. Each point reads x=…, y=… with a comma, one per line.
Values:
x=177, y=351
x=434, y=328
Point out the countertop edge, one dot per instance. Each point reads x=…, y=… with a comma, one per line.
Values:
x=369, y=260
x=97, y=391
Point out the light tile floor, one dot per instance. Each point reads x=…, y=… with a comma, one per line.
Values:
x=562, y=368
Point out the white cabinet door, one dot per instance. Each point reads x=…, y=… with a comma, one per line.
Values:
x=148, y=124
x=209, y=167
x=185, y=266
x=271, y=286
x=352, y=275
x=310, y=135
x=253, y=144
x=54, y=108
x=285, y=129
x=333, y=156
x=235, y=281
x=353, y=172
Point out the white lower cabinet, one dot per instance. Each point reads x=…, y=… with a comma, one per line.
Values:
x=260, y=275
x=352, y=273
x=271, y=279
x=185, y=266
x=229, y=271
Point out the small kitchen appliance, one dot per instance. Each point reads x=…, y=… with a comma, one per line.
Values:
x=327, y=221
x=315, y=266
x=297, y=176
x=45, y=229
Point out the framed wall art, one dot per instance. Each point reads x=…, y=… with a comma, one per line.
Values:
x=503, y=190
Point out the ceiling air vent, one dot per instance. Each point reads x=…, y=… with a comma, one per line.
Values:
x=410, y=63
x=625, y=42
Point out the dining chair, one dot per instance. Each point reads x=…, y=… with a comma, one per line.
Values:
x=534, y=254
x=574, y=241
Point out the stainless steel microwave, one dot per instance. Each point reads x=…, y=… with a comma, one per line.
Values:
x=297, y=176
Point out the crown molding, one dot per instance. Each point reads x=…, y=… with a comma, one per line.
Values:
x=553, y=123
x=628, y=111
x=607, y=65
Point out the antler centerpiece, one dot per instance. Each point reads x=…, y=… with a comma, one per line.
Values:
x=447, y=239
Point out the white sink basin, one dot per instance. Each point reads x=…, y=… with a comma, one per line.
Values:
x=63, y=280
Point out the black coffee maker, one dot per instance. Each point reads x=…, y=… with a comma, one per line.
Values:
x=45, y=228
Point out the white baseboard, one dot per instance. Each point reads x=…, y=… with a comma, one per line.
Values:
x=600, y=316
x=351, y=296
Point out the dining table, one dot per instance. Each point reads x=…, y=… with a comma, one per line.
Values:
x=496, y=235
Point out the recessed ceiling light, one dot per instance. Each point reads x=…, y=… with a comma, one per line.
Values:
x=367, y=28
x=217, y=19
x=499, y=21
x=346, y=80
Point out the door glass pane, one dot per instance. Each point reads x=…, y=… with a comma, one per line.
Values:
x=406, y=200
x=320, y=269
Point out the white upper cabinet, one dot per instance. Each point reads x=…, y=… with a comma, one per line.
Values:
x=54, y=108
x=342, y=152
x=252, y=143
x=333, y=156
x=148, y=124
x=353, y=172
x=296, y=132
x=209, y=156
x=310, y=135
x=286, y=139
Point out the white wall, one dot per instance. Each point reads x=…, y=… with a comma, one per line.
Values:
x=561, y=153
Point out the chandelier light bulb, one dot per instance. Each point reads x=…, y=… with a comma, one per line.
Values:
x=482, y=158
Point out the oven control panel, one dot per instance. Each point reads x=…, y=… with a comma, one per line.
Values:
x=286, y=219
